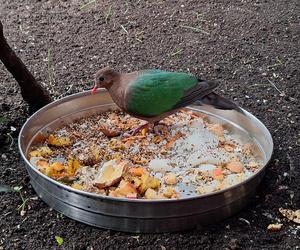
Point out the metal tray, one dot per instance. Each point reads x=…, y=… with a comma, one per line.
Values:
x=146, y=216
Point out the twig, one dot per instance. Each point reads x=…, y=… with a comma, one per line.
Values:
x=280, y=92
x=194, y=29
x=11, y=140
x=244, y=220
x=69, y=89
x=123, y=28
x=87, y=4
x=127, y=8
x=108, y=15
x=178, y=51
x=260, y=85
x=279, y=63
x=173, y=13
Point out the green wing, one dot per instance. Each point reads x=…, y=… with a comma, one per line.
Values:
x=155, y=92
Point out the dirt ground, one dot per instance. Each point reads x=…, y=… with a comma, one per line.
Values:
x=250, y=47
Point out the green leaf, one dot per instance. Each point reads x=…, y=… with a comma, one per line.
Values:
x=3, y=120
x=59, y=240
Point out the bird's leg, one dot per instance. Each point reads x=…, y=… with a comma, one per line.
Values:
x=138, y=129
x=146, y=125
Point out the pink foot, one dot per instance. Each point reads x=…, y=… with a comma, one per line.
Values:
x=136, y=130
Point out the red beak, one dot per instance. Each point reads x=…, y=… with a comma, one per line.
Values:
x=94, y=90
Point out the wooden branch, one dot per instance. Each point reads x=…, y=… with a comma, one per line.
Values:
x=32, y=92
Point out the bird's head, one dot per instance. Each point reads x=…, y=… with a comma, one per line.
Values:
x=105, y=78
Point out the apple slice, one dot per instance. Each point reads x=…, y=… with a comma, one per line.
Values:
x=110, y=173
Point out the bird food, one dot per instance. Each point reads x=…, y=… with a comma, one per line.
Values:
x=187, y=154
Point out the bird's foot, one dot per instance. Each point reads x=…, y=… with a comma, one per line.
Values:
x=134, y=131
x=157, y=128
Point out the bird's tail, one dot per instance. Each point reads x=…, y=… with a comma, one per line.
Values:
x=218, y=102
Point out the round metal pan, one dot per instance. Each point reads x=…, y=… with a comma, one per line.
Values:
x=130, y=215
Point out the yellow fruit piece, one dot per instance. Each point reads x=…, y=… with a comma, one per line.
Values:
x=152, y=194
x=110, y=174
x=125, y=189
x=42, y=163
x=135, y=180
x=73, y=166
x=235, y=166
x=170, y=179
x=148, y=182
x=57, y=166
x=44, y=167
x=170, y=192
x=77, y=186
x=41, y=151
x=59, y=141
x=47, y=170
x=96, y=154
x=137, y=171
x=144, y=131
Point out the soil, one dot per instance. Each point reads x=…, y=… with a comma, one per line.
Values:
x=247, y=46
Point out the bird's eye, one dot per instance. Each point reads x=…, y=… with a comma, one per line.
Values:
x=101, y=79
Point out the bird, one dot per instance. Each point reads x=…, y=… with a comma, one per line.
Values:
x=153, y=94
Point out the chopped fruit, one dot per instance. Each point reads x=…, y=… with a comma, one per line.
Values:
x=291, y=215
x=57, y=166
x=148, y=182
x=136, y=181
x=170, y=179
x=111, y=173
x=41, y=151
x=144, y=131
x=131, y=196
x=218, y=174
x=187, y=154
x=274, y=227
x=59, y=141
x=96, y=154
x=109, y=132
x=152, y=194
x=170, y=192
x=137, y=171
x=47, y=170
x=76, y=186
x=42, y=163
x=235, y=166
x=124, y=189
x=73, y=166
